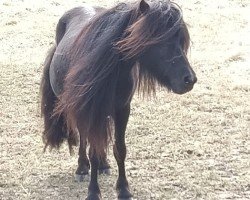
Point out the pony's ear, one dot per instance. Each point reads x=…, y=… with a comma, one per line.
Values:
x=143, y=7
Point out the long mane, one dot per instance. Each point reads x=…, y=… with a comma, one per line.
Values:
x=118, y=34
x=160, y=23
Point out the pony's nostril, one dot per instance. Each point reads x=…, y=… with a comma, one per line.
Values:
x=188, y=80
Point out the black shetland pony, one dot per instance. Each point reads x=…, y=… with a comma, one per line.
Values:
x=91, y=73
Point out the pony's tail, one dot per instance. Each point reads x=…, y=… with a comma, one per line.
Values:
x=55, y=130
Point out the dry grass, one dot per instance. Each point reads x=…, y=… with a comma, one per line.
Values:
x=195, y=146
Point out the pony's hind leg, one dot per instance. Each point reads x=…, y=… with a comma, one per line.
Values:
x=83, y=162
x=104, y=167
x=93, y=189
x=94, y=192
x=121, y=119
x=82, y=170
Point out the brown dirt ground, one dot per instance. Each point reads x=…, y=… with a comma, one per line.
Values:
x=194, y=146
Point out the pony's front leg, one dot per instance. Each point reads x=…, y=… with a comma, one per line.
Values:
x=83, y=161
x=121, y=120
x=94, y=192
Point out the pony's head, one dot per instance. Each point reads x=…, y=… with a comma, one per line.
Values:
x=159, y=41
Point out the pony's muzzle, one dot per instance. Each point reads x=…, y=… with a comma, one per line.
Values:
x=190, y=80
x=186, y=84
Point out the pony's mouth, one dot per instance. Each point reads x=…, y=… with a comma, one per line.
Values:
x=182, y=90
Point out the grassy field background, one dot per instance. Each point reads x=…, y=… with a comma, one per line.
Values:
x=194, y=146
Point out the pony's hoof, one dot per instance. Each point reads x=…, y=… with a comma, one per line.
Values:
x=105, y=171
x=81, y=177
x=94, y=196
x=124, y=194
